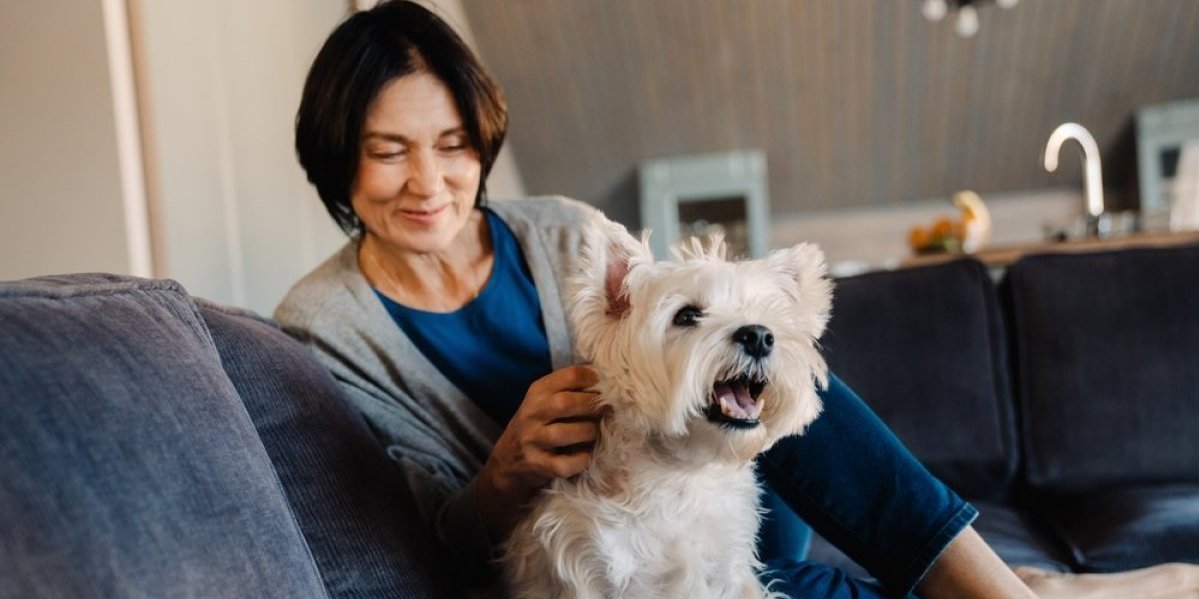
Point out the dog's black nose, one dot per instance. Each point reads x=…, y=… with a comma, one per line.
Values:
x=756, y=340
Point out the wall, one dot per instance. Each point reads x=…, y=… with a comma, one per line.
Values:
x=61, y=204
x=221, y=80
x=856, y=103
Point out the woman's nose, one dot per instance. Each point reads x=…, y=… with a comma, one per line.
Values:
x=426, y=177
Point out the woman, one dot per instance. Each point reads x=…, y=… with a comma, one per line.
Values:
x=443, y=320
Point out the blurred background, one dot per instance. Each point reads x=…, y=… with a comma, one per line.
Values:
x=154, y=137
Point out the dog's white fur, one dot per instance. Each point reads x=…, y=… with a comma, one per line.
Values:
x=669, y=505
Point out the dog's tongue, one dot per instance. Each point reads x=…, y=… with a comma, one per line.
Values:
x=735, y=402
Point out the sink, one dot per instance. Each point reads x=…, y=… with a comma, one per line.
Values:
x=1108, y=225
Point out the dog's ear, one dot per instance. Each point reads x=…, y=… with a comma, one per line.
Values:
x=616, y=270
x=805, y=279
x=622, y=253
x=610, y=253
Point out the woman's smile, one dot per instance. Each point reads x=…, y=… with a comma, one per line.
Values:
x=424, y=217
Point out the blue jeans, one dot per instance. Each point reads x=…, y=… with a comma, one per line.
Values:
x=851, y=479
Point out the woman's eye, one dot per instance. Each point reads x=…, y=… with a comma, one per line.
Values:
x=387, y=154
x=687, y=316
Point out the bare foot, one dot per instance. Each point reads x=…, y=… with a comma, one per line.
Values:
x=1165, y=581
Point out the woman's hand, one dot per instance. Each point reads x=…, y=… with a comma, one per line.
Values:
x=551, y=436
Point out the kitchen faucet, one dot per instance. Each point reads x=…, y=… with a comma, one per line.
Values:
x=1097, y=221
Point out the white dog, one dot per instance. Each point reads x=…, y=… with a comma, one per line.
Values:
x=704, y=363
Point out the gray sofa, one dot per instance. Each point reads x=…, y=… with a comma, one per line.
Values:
x=156, y=445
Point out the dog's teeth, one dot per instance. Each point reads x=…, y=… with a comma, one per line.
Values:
x=756, y=410
x=736, y=402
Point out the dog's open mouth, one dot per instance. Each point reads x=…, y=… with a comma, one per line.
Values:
x=736, y=402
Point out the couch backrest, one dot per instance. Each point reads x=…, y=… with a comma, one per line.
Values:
x=349, y=499
x=1107, y=362
x=924, y=348
x=128, y=465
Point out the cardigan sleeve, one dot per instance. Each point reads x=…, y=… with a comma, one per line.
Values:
x=445, y=503
x=437, y=469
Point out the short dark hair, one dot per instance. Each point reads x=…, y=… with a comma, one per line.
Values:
x=361, y=56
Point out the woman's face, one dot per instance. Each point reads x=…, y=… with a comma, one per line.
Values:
x=417, y=173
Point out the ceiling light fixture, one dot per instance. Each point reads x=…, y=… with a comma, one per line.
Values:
x=965, y=13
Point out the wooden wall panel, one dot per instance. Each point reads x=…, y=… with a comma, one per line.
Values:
x=856, y=102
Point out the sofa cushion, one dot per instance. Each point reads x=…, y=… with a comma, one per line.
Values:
x=348, y=497
x=924, y=348
x=128, y=466
x=1107, y=360
x=1128, y=527
x=1016, y=536
x=1019, y=537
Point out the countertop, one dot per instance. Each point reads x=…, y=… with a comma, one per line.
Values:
x=1001, y=256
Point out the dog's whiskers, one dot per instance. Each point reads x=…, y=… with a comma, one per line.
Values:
x=728, y=441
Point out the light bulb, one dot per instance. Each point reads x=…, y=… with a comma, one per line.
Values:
x=1007, y=3
x=934, y=10
x=967, y=24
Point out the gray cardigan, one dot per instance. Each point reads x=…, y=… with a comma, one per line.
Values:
x=437, y=436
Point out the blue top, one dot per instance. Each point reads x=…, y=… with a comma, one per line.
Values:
x=495, y=346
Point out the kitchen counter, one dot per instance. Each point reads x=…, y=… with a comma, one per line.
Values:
x=1001, y=256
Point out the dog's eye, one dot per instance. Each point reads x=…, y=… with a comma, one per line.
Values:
x=687, y=316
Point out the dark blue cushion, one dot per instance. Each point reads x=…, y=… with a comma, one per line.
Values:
x=128, y=465
x=348, y=497
x=924, y=348
x=1107, y=358
x=1020, y=537
x=1133, y=526
x=1017, y=536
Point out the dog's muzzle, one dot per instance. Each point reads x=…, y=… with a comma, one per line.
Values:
x=737, y=403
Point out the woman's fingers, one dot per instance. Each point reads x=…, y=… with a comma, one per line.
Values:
x=569, y=405
x=571, y=378
x=561, y=465
x=559, y=436
x=553, y=431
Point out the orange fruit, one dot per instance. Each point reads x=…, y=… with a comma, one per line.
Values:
x=942, y=229
x=918, y=237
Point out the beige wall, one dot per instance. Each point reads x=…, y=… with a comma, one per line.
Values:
x=221, y=82
x=60, y=185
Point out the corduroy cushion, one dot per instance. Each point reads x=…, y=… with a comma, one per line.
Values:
x=128, y=466
x=924, y=348
x=1107, y=348
x=348, y=497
